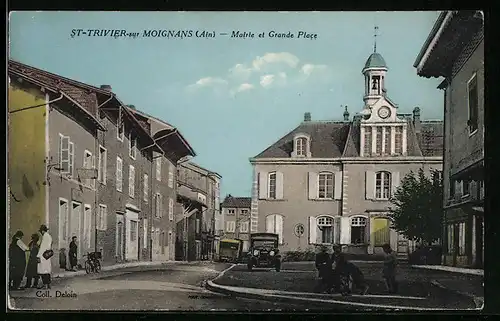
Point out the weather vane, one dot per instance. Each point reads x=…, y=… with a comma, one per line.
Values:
x=375, y=39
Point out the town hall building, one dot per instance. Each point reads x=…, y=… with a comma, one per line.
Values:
x=329, y=182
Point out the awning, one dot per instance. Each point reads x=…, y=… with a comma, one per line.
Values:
x=173, y=143
x=194, y=196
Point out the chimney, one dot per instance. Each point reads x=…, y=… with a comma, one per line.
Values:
x=346, y=114
x=106, y=87
x=416, y=119
x=307, y=116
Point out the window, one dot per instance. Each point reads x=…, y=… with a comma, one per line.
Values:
x=368, y=141
x=465, y=188
x=451, y=238
x=146, y=187
x=120, y=127
x=274, y=224
x=158, y=169
x=244, y=212
x=103, y=160
x=387, y=140
x=145, y=233
x=158, y=207
x=171, y=209
x=133, y=231
x=230, y=226
x=382, y=185
x=63, y=223
x=230, y=211
x=170, y=177
x=452, y=189
x=88, y=164
x=358, y=230
x=299, y=230
x=132, y=145
x=131, y=181
x=87, y=224
x=102, y=217
x=244, y=227
x=66, y=155
x=473, y=101
x=325, y=186
x=119, y=174
x=398, y=140
x=325, y=225
x=301, y=146
x=379, y=139
x=461, y=238
x=272, y=186
x=162, y=242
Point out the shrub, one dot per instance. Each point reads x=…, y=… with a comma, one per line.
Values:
x=299, y=256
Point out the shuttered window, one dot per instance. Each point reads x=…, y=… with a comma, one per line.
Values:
x=131, y=181
x=146, y=187
x=325, y=185
x=119, y=174
x=382, y=185
x=274, y=224
x=171, y=209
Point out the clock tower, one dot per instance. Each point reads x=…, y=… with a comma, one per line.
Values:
x=374, y=71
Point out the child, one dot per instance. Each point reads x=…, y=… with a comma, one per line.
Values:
x=389, y=271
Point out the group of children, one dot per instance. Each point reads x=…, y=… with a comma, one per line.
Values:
x=335, y=271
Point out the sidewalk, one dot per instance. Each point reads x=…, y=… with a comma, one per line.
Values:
x=450, y=269
x=112, y=267
x=468, y=282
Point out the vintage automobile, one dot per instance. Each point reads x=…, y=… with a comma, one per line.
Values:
x=264, y=251
x=230, y=250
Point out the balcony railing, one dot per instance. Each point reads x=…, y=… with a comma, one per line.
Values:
x=476, y=194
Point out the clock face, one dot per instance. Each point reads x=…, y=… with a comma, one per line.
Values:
x=384, y=112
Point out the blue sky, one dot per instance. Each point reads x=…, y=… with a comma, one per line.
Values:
x=232, y=98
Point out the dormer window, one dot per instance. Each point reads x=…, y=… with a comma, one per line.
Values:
x=301, y=146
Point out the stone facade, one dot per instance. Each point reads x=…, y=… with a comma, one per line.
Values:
x=237, y=212
x=460, y=43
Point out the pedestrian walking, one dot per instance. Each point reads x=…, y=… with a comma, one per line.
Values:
x=31, y=269
x=73, y=250
x=389, y=271
x=17, y=261
x=45, y=253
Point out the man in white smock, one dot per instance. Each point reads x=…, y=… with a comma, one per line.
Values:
x=45, y=253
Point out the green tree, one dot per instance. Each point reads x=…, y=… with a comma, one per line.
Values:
x=418, y=207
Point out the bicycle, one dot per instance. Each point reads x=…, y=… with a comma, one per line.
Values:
x=92, y=263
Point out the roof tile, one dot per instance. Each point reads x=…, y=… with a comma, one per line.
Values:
x=237, y=202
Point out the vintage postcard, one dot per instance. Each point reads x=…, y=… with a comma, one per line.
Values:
x=248, y=161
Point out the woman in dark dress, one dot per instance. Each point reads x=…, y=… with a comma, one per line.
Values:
x=73, y=250
x=31, y=270
x=17, y=260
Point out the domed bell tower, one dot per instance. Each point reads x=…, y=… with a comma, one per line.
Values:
x=374, y=71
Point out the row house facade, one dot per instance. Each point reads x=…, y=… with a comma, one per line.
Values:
x=236, y=218
x=329, y=182
x=96, y=179
x=454, y=50
x=197, y=204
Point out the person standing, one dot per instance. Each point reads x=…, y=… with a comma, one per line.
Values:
x=73, y=250
x=44, y=255
x=389, y=271
x=17, y=261
x=324, y=266
x=31, y=270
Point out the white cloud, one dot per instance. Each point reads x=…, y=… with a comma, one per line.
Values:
x=286, y=58
x=240, y=72
x=267, y=81
x=208, y=82
x=308, y=69
x=244, y=87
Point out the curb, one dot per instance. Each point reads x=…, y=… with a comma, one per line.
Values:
x=478, y=301
x=210, y=285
